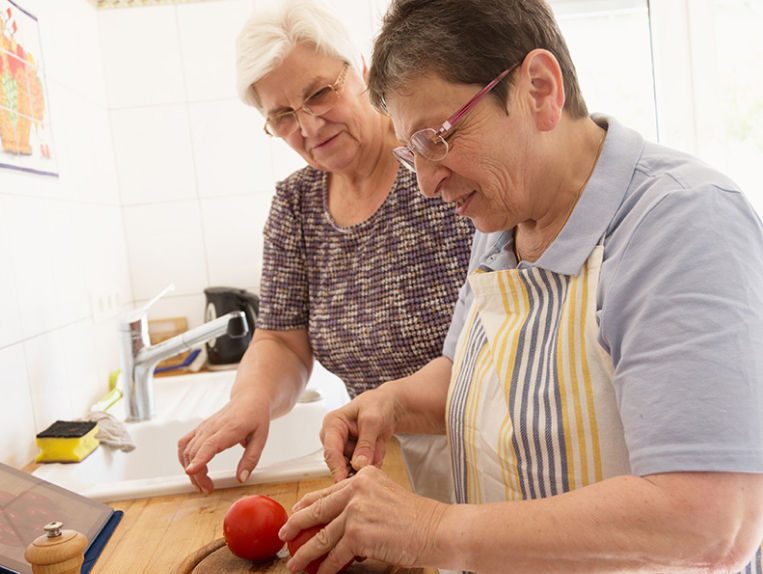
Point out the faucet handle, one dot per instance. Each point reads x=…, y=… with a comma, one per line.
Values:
x=139, y=314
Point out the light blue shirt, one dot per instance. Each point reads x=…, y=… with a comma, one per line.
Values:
x=679, y=302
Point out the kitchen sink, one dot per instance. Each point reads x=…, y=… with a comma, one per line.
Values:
x=293, y=450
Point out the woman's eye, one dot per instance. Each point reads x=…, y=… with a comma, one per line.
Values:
x=318, y=97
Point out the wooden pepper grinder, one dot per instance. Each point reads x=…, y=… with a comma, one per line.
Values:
x=57, y=552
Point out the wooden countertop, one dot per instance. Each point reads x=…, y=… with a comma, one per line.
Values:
x=156, y=534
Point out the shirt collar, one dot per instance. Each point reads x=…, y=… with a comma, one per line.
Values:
x=590, y=218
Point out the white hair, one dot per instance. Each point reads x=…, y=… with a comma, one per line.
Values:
x=270, y=34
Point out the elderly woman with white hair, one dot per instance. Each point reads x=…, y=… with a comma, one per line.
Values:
x=360, y=271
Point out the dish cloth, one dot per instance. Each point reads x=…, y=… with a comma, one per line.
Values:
x=112, y=432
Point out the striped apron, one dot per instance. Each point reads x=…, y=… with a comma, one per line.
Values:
x=531, y=409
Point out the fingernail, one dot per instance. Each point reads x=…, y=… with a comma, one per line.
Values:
x=359, y=462
x=243, y=475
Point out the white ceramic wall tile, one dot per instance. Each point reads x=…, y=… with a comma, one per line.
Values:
x=65, y=282
x=104, y=256
x=48, y=379
x=70, y=46
x=358, y=19
x=106, y=350
x=233, y=236
x=14, y=182
x=141, y=56
x=18, y=427
x=164, y=245
x=10, y=325
x=85, y=165
x=84, y=385
x=152, y=147
x=31, y=240
x=231, y=151
x=208, y=32
x=104, y=186
x=47, y=259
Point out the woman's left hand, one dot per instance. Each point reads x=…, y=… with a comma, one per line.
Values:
x=367, y=515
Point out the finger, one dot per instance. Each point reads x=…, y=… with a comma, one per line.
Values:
x=334, y=435
x=369, y=434
x=182, y=446
x=252, y=452
x=349, y=447
x=338, y=557
x=314, y=548
x=337, y=464
x=329, y=542
x=317, y=507
x=201, y=481
x=201, y=457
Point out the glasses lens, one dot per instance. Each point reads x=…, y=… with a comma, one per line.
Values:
x=321, y=101
x=404, y=155
x=282, y=125
x=429, y=144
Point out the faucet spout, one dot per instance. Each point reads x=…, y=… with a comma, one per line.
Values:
x=139, y=357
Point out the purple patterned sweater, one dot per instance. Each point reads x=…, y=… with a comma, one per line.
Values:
x=376, y=298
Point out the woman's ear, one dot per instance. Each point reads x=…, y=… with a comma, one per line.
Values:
x=546, y=88
x=365, y=69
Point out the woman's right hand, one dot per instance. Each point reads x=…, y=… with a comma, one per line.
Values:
x=356, y=434
x=243, y=420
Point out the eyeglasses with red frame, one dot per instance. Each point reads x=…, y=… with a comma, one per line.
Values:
x=432, y=143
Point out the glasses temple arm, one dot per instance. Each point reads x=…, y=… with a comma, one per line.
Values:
x=452, y=120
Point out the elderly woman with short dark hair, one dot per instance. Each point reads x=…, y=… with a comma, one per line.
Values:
x=601, y=386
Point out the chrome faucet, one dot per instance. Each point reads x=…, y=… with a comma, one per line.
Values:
x=139, y=357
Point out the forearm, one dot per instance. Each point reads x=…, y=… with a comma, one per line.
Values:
x=679, y=522
x=421, y=398
x=275, y=368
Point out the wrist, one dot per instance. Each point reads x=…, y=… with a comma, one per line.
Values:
x=452, y=544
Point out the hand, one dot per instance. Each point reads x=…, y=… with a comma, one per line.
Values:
x=367, y=515
x=239, y=421
x=358, y=432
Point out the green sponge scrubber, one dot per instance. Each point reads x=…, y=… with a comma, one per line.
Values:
x=67, y=441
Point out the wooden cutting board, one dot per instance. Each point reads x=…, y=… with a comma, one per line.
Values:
x=215, y=558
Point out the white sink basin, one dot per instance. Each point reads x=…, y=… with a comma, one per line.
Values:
x=293, y=450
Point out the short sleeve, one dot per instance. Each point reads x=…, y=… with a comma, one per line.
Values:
x=284, y=301
x=682, y=317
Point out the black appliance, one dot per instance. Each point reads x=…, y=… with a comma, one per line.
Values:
x=225, y=352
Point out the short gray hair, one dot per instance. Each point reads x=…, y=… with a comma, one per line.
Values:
x=270, y=34
x=468, y=42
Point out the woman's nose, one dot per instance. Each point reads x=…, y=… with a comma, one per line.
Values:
x=308, y=123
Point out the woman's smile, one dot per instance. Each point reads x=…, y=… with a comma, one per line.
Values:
x=462, y=203
x=325, y=143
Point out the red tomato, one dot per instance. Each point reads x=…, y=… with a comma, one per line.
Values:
x=251, y=527
x=295, y=543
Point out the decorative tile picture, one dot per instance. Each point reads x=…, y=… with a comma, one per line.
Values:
x=25, y=131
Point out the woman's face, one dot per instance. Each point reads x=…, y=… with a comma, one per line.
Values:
x=335, y=140
x=485, y=175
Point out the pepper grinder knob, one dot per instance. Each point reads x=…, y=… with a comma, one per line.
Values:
x=58, y=551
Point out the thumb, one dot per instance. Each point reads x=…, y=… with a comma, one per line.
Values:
x=365, y=447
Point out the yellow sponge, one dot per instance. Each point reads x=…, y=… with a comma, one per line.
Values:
x=67, y=441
